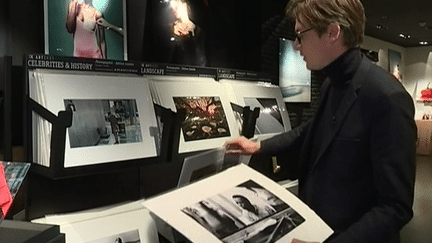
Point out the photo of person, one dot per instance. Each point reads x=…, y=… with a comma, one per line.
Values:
x=245, y=213
x=205, y=118
x=85, y=28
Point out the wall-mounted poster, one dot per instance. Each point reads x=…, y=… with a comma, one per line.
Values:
x=86, y=28
x=394, y=60
x=178, y=31
x=238, y=205
x=112, y=117
x=294, y=77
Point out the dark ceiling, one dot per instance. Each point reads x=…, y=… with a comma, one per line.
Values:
x=387, y=19
x=394, y=16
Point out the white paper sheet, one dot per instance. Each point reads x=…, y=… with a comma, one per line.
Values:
x=58, y=86
x=165, y=89
x=214, y=194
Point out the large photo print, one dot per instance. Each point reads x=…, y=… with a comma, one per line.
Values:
x=270, y=118
x=245, y=213
x=86, y=28
x=205, y=118
x=116, y=122
x=113, y=117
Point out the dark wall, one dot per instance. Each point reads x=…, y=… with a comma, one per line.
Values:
x=239, y=35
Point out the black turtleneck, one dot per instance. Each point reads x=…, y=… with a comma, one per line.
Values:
x=338, y=73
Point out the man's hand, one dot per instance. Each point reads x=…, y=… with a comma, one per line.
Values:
x=300, y=241
x=242, y=145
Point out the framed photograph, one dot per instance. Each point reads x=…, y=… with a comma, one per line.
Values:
x=113, y=116
x=273, y=118
x=86, y=28
x=209, y=120
x=238, y=205
x=395, y=63
x=294, y=77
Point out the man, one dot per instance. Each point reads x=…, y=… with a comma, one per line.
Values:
x=112, y=118
x=252, y=213
x=357, y=154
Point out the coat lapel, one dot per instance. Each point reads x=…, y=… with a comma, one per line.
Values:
x=347, y=102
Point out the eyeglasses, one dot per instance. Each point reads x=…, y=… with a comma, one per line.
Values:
x=298, y=33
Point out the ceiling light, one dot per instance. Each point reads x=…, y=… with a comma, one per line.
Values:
x=381, y=27
x=404, y=36
x=422, y=23
x=423, y=43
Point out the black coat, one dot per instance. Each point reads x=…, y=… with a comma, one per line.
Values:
x=362, y=181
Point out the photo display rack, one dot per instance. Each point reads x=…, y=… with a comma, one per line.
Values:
x=169, y=132
x=249, y=119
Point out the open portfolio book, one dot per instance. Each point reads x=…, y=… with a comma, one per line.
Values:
x=12, y=175
x=237, y=204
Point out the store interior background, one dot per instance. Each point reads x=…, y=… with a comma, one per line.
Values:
x=243, y=36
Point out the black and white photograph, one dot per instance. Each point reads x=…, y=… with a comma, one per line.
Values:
x=273, y=117
x=205, y=118
x=103, y=122
x=245, y=213
x=113, y=116
x=214, y=210
x=127, y=237
x=270, y=119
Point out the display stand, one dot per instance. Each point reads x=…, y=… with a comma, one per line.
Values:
x=170, y=133
x=59, y=125
x=249, y=121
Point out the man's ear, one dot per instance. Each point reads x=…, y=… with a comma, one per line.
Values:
x=334, y=32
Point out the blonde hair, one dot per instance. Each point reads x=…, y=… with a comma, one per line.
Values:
x=319, y=14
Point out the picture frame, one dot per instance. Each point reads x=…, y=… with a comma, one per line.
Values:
x=93, y=96
x=294, y=77
x=273, y=118
x=395, y=64
x=102, y=33
x=216, y=193
x=167, y=90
